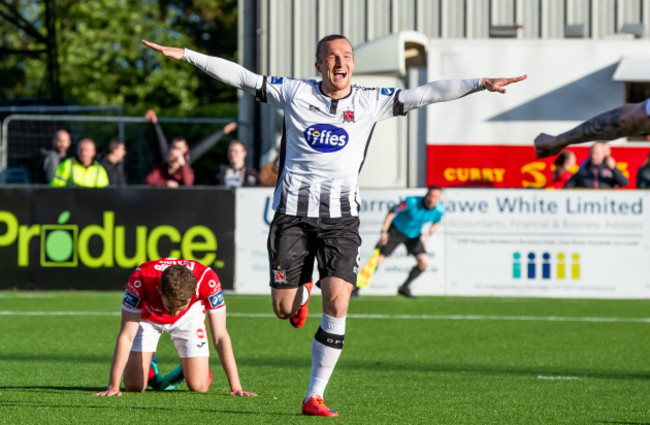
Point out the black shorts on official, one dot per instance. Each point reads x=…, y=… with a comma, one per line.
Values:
x=295, y=242
x=414, y=246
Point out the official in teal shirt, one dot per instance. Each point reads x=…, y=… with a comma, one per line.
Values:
x=403, y=225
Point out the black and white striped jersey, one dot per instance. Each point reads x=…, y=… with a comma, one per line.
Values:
x=324, y=144
x=325, y=140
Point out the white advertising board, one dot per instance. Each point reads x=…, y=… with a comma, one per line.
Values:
x=587, y=244
x=563, y=243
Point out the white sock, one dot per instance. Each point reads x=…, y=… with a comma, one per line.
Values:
x=324, y=357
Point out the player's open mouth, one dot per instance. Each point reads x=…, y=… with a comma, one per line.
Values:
x=340, y=75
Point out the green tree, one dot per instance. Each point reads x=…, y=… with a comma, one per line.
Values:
x=101, y=60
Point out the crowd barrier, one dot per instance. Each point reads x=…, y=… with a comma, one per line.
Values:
x=493, y=242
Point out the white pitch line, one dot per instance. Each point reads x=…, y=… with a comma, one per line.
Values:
x=373, y=316
x=564, y=378
x=514, y=318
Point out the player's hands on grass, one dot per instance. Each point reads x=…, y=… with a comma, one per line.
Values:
x=243, y=393
x=498, y=84
x=108, y=393
x=171, y=52
x=546, y=145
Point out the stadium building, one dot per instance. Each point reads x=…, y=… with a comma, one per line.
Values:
x=582, y=57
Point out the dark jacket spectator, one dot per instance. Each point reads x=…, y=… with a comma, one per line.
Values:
x=599, y=171
x=643, y=175
x=51, y=158
x=236, y=173
x=113, y=163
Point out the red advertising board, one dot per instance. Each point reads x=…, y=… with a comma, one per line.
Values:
x=508, y=166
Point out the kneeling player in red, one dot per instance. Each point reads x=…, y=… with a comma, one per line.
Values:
x=172, y=295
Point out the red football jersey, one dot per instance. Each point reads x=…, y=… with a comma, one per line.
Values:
x=143, y=290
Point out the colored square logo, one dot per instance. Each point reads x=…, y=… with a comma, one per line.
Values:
x=130, y=300
x=216, y=300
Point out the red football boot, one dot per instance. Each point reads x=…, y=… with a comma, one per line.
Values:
x=300, y=316
x=315, y=406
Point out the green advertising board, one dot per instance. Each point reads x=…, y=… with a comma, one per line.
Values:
x=75, y=238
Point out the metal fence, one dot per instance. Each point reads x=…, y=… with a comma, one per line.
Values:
x=24, y=137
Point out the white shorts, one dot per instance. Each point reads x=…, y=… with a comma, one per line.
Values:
x=188, y=334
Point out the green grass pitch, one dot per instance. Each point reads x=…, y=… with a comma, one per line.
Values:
x=433, y=360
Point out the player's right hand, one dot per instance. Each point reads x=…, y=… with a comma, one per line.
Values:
x=108, y=393
x=242, y=393
x=171, y=52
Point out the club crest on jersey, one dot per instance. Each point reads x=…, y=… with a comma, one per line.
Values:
x=326, y=138
x=276, y=80
x=387, y=91
x=279, y=276
x=348, y=116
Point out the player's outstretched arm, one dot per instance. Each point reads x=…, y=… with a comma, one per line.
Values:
x=498, y=84
x=627, y=120
x=171, y=52
x=446, y=90
x=223, y=345
x=223, y=70
x=129, y=327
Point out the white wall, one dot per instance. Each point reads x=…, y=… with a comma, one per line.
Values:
x=568, y=81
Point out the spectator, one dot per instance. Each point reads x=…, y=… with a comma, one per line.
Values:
x=643, y=175
x=51, y=158
x=564, y=162
x=191, y=154
x=599, y=171
x=81, y=171
x=173, y=172
x=236, y=173
x=269, y=173
x=113, y=163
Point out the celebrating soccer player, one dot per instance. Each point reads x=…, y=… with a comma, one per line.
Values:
x=328, y=125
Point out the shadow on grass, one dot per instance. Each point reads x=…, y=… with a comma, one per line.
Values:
x=59, y=358
x=244, y=361
x=394, y=366
x=498, y=370
x=622, y=423
x=153, y=408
